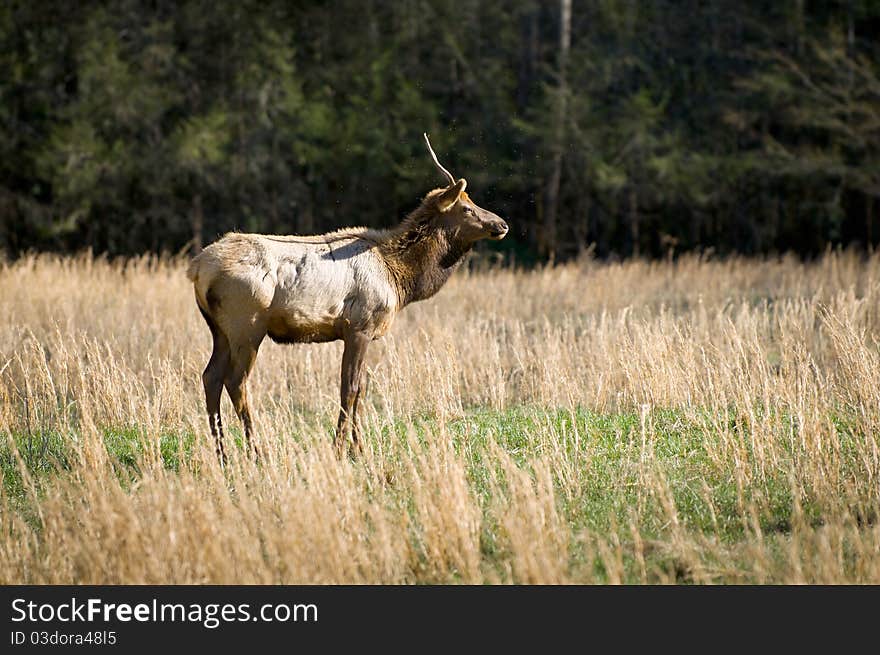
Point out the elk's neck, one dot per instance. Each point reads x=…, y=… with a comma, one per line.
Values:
x=421, y=262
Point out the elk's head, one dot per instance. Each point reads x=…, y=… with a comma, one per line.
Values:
x=458, y=212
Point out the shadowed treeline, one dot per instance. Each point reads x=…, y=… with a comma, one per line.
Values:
x=641, y=127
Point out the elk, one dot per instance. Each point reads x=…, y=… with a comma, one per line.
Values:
x=348, y=284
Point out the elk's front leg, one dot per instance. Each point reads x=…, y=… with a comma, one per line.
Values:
x=355, y=411
x=352, y=367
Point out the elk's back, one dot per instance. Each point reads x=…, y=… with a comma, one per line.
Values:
x=295, y=291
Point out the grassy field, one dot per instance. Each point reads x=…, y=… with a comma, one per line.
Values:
x=691, y=422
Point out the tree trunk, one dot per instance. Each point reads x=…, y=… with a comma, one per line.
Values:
x=799, y=26
x=197, y=220
x=634, y=222
x=306, y=218
x=549, y=235
x=528, y=63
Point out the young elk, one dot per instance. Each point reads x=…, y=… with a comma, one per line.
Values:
x=348, y=284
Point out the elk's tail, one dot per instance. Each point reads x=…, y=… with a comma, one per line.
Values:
x=192, y=272
x=200, y=281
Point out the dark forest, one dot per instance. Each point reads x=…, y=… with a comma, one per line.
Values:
x=617, y=127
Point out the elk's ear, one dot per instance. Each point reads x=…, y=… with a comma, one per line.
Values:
x=449, y=197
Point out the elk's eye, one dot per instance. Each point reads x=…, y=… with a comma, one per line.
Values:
x=468, y=211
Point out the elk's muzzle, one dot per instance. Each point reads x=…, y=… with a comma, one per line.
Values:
x=497, y=229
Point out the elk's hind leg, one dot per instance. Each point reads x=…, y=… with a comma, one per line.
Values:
x=212, y=379
x=242, y=356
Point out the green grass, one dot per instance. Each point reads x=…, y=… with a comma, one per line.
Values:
x=606, y=455
x=608, y=483
x=599, y=492
x=46, y=454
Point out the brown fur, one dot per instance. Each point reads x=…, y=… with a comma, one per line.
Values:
x=420, y=255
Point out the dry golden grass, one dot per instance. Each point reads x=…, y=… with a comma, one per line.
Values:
x=698, y=421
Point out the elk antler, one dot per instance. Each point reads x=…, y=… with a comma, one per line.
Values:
x=439, y=165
